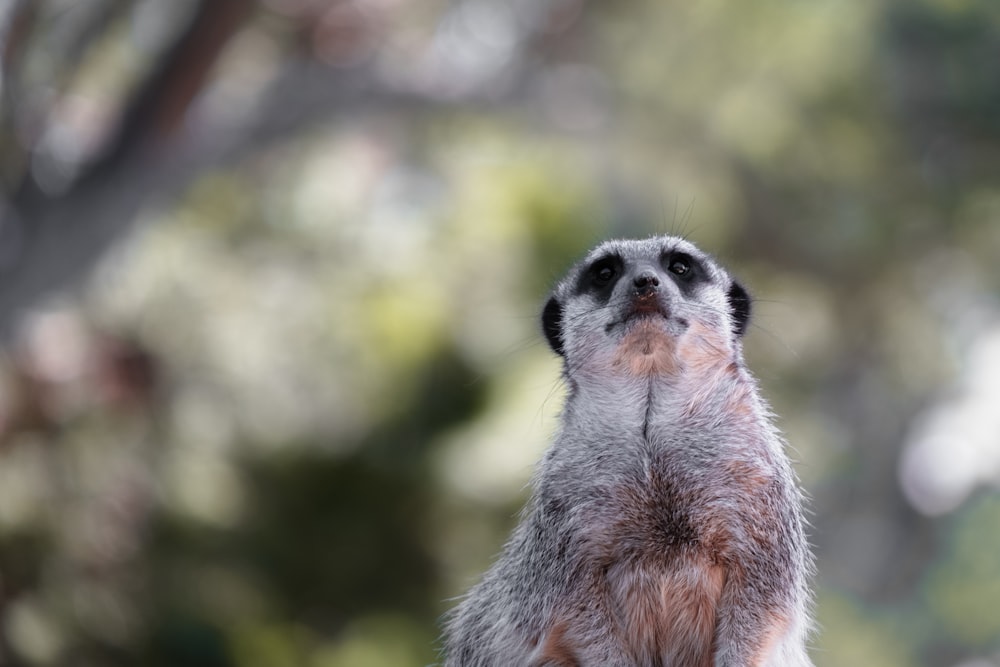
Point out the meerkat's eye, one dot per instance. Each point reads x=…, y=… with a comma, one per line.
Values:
x=603, y=272
x=679, y=266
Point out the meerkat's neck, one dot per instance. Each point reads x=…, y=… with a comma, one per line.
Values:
x=722, y=397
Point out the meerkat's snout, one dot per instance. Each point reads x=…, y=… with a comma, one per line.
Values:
x=645, y=294
x=646, y=283
x=648, y=293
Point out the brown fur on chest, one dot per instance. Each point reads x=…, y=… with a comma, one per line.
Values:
x=659, y=616
x=663, y=573
x=658, y=559
x=667, y=615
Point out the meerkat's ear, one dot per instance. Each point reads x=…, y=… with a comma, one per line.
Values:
x=552, y=324
x=739, y=307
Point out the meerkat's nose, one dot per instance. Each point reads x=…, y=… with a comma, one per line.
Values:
x=646, y=282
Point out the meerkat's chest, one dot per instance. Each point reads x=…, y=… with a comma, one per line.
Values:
x=666, y=612
x=659, y=566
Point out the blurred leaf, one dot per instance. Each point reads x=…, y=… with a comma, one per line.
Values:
x=964, y=587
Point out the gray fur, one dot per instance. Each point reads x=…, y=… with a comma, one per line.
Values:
x=666, y=508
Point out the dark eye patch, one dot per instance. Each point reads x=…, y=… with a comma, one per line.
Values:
x=684, y=268
x=603, y=272
x=601, y=275
x=679, y=266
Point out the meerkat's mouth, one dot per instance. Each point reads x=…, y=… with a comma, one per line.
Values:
x=633, y=318
x=646, y=342
x=643, y=308
x=651, y=316
x=641, y=315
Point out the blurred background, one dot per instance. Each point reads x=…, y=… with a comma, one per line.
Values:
x=271, y=381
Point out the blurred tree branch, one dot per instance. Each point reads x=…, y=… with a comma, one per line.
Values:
x=50, y=239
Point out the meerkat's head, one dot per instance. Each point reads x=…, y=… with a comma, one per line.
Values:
x=655, y=305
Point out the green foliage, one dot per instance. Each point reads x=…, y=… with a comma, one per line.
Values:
x=852, y=635
x=964, y=587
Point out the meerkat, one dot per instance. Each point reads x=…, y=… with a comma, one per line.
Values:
x=665, y=523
